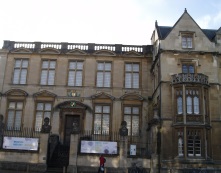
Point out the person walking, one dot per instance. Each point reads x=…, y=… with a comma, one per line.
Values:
x=102, y=161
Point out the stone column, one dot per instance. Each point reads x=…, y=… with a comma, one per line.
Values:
x=43, y=148
x=73, y=153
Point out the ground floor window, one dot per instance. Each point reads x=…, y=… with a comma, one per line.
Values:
x=14, y=117
x=43, y=110
x=132, y=117
x=102, y=119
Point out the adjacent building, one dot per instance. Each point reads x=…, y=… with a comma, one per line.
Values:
x=167, y=93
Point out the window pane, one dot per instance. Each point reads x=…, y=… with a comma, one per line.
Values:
x=72, y=65
x=135, y=125
x=10, y=119
x=40, y=106
x=52, y=64
x=184, y=69
x=51, y=77
x=24, y=63
x=196, y=105
x=128, y=67
x=136, y=67
x=189, y=105
x=80, y=65
x=98, y=109
x=23, y=76
x=99, y=79
x=19, y=105
x=135, y=80
x=48, y=106
x=128, y=80
x=127, y=118
x=71, y=78
x=47, y=114
x=127, y=110
x=106, y=109
x=38, y=121
x=79, y=78
x=179, y=105
x=43, y=77
x=105, y=125
x=16, y=76
x=18, y=119
x=97, y=124
x=191, y=69
x=100, y=66
x=11, y=105
x=135, y=110
x=45, y=64
x=107, y=79
x=17, y=63
x=107, y=66
x=180, y=146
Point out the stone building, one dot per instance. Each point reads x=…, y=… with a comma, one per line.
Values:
x=186, y=96
x=166, y=95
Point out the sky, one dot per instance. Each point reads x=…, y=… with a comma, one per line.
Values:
x=129, y=22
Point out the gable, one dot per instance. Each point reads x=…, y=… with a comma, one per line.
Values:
x=49, y=51
x=16, y=92
x=21, y=50
x=102, y=95
x=133, y=54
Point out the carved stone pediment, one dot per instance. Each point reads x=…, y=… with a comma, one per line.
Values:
x=102, y=95
x=105, y=53
x=77, y=52
x=16, y=92
x=44, y=93
x=133, y=53
x=21, y=50
x=131, y=96
x=49, y=51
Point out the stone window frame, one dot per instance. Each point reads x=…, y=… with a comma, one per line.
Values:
x=104, y=83
x=48, y=69
x=132, y=72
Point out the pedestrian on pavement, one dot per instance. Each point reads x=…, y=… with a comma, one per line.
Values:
x=102, y=161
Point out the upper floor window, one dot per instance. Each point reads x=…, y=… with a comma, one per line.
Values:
x=187, y=41
x=192, y=101
x=48, y=72
x=20, y=71
x=75, y=73
x=132, y=116
x=43, y=110
x=102, y=119
x=188, y=68
x=103, y=74
x=132, y=75
x=14, y=117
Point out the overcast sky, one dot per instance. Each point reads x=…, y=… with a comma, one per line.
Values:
x=128, y=22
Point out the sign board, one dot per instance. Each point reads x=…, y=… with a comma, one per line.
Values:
x=101, y=147
x=133, y=150
x=18, y=143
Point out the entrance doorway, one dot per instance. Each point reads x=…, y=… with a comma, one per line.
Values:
x=70, y=120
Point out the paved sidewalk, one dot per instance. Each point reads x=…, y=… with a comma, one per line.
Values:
x=14, y=171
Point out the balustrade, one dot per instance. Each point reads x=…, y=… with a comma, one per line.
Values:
x=190, y=78
x=89, y=48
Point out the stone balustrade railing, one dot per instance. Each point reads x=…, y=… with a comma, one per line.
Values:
x=89, y=47
x=196, y=78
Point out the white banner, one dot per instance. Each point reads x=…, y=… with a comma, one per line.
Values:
x=18, y=143
x=104, y=147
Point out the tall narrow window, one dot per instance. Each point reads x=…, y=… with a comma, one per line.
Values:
x=102, y=119
x=75, y=73
x=48, y=72
x=132, y=75
x=193, y=143
x=103, y=74
x=187, y=41
x=15, y=110
x=20, y=71
x=179, y=101
x=192, y=101
x=43, y=110
x=180, y=146
x=131, y=116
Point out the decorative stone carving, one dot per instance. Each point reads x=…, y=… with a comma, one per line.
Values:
x=46, y=128
x=123, y=130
